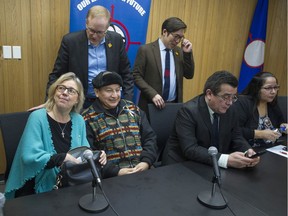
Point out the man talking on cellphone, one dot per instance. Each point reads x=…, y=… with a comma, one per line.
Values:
x=161, y=65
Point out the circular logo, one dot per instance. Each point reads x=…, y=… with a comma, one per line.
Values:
x=254, y=53
x=115, y=28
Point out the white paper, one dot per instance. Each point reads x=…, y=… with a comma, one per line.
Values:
x=279, y=150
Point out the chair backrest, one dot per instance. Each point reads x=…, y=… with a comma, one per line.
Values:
x=12, y=126
x=162, y=122
x=282, y=102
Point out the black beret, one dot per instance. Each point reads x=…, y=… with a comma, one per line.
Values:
x=106, y=78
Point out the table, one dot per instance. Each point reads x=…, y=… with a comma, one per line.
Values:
x=263, y=186
x=171, y=191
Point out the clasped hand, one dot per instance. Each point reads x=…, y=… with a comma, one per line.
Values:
x=270, y=135
x=138, y=168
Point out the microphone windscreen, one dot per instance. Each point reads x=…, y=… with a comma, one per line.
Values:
x=87, y=154
x=212, y=150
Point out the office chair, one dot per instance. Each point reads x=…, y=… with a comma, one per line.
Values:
x=282, y=103
x=162, y=122
x=12, y=126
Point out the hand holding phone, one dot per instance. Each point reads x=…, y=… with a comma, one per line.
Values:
x=258, y=154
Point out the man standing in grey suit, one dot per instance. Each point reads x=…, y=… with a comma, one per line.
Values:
x=151, y=66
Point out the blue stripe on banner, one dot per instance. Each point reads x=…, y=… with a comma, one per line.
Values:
x=253, y=59
x=128, y=17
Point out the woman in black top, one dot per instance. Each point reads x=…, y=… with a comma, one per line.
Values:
x=259, y=114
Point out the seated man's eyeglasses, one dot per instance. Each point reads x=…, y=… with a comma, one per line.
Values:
x=92, y=31
x=228, y=98
x=62, y=89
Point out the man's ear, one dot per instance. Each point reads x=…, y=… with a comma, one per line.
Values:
x=208, y=93
x=96, y=92
x=164, y=32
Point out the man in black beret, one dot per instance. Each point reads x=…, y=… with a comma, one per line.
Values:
x=119, y=127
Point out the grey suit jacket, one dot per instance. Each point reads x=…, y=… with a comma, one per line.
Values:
x=147, y=72
x=191, y=136
x=73, y=57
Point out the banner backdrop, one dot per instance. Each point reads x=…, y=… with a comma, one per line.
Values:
x=253, y=59
x=128, y=17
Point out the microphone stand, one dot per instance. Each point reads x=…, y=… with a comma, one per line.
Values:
x=94, y=185
x=94, y=202
x=213, y=199
x=215, y=182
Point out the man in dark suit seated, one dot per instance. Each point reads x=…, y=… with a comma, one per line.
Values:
x=193, y=133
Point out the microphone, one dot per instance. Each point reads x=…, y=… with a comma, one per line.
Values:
x=214, y=199
x=88, y=155
x=89, y=202
x=212, y=151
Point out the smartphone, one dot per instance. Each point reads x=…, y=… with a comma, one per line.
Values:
x=258, y=154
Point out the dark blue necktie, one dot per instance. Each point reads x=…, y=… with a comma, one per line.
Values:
x=215, y=131
x=166, y=76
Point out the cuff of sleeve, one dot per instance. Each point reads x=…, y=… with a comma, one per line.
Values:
x=253, y=134
x=223, y=160
x=109, y=170
x=147, y=160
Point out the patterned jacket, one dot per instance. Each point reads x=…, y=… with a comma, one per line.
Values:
x=126, y=137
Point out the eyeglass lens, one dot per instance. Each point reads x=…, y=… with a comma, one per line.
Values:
x=62, y=89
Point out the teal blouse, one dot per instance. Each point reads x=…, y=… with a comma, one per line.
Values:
x=34, y=151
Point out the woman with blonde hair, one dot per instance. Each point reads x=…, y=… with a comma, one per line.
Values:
x=49, y=134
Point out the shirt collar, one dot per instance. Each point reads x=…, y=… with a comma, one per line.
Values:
x=161, y=45
x=211, y=112
x=101, y=42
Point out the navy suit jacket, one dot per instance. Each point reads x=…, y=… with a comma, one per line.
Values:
x=191, y=136
x=73, y=57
